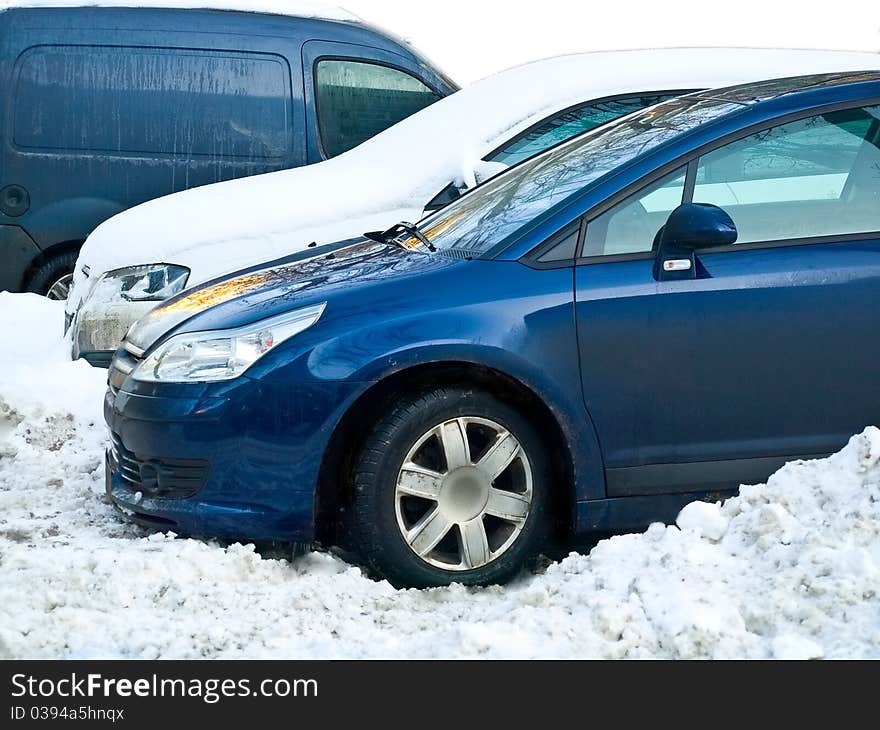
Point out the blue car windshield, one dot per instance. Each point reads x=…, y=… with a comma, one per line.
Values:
x=500, y=208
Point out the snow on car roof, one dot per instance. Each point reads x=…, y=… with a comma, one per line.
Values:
x=296, y=8
x=392, y=176
x=539, y=88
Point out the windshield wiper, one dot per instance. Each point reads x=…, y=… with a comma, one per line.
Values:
x=392, y=235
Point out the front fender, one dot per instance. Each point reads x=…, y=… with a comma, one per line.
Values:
x=527, y=336
x=588, y=473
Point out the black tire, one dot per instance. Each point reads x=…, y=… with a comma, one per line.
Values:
x=373, y=532
x=50, y=271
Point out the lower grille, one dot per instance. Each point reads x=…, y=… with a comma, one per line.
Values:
x=163, y=478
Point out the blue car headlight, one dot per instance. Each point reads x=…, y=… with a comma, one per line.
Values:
x=222, y=354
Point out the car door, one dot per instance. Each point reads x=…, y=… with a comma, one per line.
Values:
x=766, y=355
x=353, y=92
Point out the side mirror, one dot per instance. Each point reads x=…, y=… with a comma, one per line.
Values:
x=690, y=226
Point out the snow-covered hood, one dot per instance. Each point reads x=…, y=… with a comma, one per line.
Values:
x=220, y=228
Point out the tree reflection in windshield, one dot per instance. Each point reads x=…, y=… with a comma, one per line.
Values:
x=502, y=206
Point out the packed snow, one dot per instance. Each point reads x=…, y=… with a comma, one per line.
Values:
x=296, y=8
x=788, y=569
x=393, y=176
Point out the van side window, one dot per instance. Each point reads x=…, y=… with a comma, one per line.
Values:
x=356, y=100
x=152, y=100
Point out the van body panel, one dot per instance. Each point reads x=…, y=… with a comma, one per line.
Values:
x=18, y=251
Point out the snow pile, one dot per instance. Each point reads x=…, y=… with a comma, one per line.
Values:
x=296, y=8
x=33, y=380
x=790, y=569
x=391, y=177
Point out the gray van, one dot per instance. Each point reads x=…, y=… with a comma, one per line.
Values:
x=107, y=107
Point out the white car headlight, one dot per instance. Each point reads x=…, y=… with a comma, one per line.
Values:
x=148, y=283
x=222, y=354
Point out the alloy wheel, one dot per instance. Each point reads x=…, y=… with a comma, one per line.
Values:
x=463, y=493
x=61, y=288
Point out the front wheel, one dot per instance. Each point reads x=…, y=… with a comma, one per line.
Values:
x=54, y=277
x=450, y=487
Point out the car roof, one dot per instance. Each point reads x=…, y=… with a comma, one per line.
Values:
x=295, y=8
x=690, y=64
x=313, y=11
x=778, y=87
x=501, y=106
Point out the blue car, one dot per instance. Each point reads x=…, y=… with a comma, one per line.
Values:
x=651, y=313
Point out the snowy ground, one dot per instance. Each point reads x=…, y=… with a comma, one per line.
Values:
x=790, y=569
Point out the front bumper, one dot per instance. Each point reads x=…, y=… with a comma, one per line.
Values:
x=253, y=454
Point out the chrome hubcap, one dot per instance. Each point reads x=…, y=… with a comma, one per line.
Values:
x=61, y=288
x=463, y=493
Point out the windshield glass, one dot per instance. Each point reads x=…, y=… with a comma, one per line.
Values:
x=571, y=123
x=499, y=208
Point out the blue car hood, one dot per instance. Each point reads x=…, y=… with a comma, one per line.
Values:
x=280, y=286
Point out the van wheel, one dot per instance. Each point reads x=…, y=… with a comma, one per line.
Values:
x=53, y=278
x=450, y=487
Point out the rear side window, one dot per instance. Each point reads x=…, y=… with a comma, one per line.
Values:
x=153, y=101
x=357, y=100
x=818, y=176
x=570, y=123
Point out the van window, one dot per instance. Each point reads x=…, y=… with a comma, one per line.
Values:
x=152, y=101
x=357, y=100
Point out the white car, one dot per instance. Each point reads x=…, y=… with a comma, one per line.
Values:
x=153, y=251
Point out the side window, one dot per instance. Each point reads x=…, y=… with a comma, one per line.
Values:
x=630, y=226
x=571, y=123
x=814, y=177
x=356, y=100
x=152, y=101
